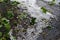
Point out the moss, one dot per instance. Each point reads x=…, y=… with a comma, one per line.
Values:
x=32, y=21
x=52, y=3
x=49, y=27
x=44, y=10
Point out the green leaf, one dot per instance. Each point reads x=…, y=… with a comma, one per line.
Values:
x=33, y=21
x=10, y=14
x=1, y=0
x=0, y=26
x=0, y=38
x=3, y=38
x=44, y=10
x=53, y=0
x=7, y=26
x=15, y=3
x=7, y=35
x=4, y=0
x=0, y=34
x=5, y=21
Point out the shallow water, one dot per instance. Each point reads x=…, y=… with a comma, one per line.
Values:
x=35, y=11
x=53, y=33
